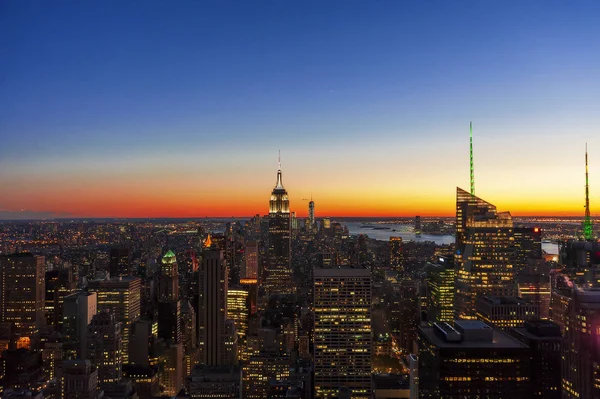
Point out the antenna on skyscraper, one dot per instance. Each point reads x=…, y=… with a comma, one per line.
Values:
x=279, y=160
x=588, y=232
x=471, y=153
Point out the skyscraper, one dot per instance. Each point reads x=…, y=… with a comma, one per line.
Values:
x=588, y=227
x=505, y=312
x=440, y=290
x=22, y=295
x=120, y=262
x=471, y=360
x=342, y=343
x=581, y=345
x=278, y=278
x=104, y=347
x=168, y=285
x=78, y=310
x=397, y=254
x=311, y=214
x=404, y=314
x=484, y=253
x=121, y=296
x=80, y=380
x=251, y=260
x=59, y=284
x=238, y=311
x=543, y=338
x=212, y=307
x=528, y=246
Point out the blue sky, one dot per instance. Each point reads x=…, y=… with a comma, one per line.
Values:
x=93, y=88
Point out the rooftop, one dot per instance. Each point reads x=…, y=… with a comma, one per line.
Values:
x=473, y=334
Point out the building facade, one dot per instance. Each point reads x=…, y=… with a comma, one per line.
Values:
x=342, y=340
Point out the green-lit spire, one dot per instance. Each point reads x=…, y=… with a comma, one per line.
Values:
x=169, y=257
x=588, y=230
x=471, y=154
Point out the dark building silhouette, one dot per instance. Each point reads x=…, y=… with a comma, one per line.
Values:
x=120, y=262
x=544, y=339
x=22, y=296
x=469, y=359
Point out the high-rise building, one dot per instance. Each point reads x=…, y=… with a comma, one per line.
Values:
x=311, y=215
x=78, y=310
x=251, y=260
x=397, y=254
x=21, y=369
x=528, y=245
x=238, y=311
x=259, y=370
x=51, y=348
x=418, y=227
x=342, y=340
x=168, y=284
x=534, y=286
x=505, y=312
x=172, y=378
x=189, y=336
x=404, y=314
x=122, y=297
x=22, y=295
x=588, y=225
x=484, y=253
x=104, y=347
x=79, y=380
x=440, y=290
x=278, y=275
x=544, y=339
x=59, y=284
x=143, y=338
x=169, y=321
x=581, y=345
x=145, y=380
x=212, y=307
x=214, y=382
x=581, y=260
x=561, y=300
x=119, y=262
x=471, y=360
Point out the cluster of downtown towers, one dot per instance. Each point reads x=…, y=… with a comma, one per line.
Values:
x=492, y=320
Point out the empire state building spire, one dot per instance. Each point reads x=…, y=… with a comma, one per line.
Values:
x=279, y=185
x=279, y=202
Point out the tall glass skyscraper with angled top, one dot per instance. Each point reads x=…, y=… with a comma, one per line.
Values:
x=485, y=253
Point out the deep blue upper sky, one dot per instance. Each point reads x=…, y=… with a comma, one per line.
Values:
x=102, y=80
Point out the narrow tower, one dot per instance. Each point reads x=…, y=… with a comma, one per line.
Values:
x=471, y=156
x=588, y=232
x=311, y=213
x=277, y=276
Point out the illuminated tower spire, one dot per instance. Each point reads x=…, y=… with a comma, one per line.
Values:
x=588, y=232
x=279, y=184
x=471, y=154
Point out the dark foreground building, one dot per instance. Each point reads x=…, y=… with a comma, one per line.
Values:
x=469, y=359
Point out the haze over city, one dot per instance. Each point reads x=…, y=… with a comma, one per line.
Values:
x=152, y=110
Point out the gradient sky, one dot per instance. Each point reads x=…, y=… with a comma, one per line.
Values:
x=155, y=108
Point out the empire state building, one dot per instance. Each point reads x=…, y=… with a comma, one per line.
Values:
x=278, y=275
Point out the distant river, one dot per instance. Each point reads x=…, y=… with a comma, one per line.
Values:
x=406, y=232
x=402, y=230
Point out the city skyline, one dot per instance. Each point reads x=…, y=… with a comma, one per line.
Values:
x=180, y=113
